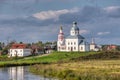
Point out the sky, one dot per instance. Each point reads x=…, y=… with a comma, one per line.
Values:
x=40, y=20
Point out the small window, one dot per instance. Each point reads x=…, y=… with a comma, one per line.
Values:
x=68, y=48
x=74, y=43
x=68, y=43
x=71, y=43
x=74, y=48
x=81, y=48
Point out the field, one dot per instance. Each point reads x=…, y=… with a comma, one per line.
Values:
x=93, y=66
x=81, y=70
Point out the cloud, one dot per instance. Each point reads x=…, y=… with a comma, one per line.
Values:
x=92, y=21
x=112, y=8
x=84, y=31
x=113, y=11
x=103, y=33
x=45, y=15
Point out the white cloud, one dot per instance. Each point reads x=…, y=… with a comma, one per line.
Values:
x=44, y=15
x=84, y=31
x=112, y=9
x=103, y=33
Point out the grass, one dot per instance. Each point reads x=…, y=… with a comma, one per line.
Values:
x=81, y=66
x=51, y=58
x=72, y=65
x=81, y=70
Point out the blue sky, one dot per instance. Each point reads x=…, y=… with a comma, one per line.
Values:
x=39, y=20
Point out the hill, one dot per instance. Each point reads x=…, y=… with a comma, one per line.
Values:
x=102, y=55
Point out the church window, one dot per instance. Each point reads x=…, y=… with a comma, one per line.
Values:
x=68, y=43
x=68, y=48
x=71, y=48
x=74, y=48
x=74, y=43
x=81, y=48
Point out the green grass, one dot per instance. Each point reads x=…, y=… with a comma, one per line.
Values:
x=51, y=58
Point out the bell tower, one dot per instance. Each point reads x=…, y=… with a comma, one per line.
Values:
x=74, y=30
x=60, y=42
x=61, y=35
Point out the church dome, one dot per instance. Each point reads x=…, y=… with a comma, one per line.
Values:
x=74, y=27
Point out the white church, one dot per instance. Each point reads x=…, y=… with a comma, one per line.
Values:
x=73, y=42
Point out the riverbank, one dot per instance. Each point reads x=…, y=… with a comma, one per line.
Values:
x=98, y=66
x=81, y=70
x=50, y=58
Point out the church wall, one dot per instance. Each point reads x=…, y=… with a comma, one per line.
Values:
x=71, y=44
x=60, y=47
x=82, y=48
x=87, y=47
x=92, y=47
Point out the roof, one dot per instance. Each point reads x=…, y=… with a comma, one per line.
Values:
x=74, y=28
x=82, y=42
x=75, y=37
x=18, y=46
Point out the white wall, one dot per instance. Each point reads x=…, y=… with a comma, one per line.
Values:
x=71, y=44
x=82, y=48
x=19, y=52
x=92, y=47
x=27, y=52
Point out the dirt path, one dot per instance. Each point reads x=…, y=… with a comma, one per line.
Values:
x=41, y=55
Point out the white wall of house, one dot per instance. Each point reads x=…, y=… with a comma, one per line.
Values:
x=19, y=52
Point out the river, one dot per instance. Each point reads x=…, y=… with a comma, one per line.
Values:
x=19, y=73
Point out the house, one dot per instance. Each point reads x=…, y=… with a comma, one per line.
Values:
x=19, y=50
x=36, y=50
x=111, y=47
x=73, y=42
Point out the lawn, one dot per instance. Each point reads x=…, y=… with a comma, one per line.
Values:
x=51, y=58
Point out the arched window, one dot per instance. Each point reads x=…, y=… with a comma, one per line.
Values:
x=74, y=43
x=68, y=43
x=81, y=48
x=74, y=48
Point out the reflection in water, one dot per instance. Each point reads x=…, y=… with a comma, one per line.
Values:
x=19, y=73
x=16, y=73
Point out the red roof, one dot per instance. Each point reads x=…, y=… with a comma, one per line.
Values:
x=18, y=46
x=111, y=47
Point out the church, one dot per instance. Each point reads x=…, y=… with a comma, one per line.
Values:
x=73, y=42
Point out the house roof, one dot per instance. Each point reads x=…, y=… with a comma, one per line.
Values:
x=75, y=37
x=18, y=46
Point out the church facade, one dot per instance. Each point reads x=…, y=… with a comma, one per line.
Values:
x=73, y=42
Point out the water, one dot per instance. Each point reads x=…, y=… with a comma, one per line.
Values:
x=19, y=73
